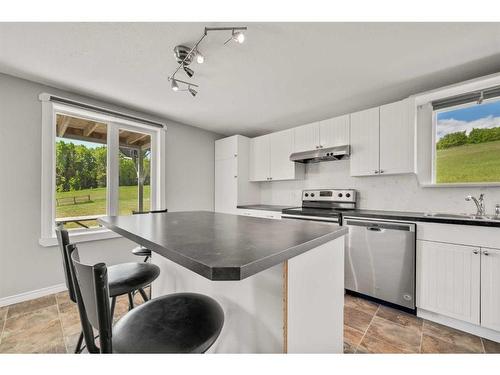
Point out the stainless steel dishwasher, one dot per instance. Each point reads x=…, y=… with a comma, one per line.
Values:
x=380, y=260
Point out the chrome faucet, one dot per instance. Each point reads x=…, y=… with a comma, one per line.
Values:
x=479, y=204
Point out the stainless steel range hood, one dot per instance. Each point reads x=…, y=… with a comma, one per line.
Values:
x=321, y=154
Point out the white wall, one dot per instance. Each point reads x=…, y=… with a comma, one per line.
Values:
x=401, y=192
x=24, y=264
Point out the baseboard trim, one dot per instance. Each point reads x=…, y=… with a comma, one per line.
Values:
x=22, y=297
x=460, y=325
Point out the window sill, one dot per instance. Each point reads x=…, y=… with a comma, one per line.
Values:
x=462, y=185
x=78, y=237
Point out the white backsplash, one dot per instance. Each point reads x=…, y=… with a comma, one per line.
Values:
x=399, y=193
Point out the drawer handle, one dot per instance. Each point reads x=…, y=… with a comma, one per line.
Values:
x=374, y=229
x=486, y=253
x=475, y=251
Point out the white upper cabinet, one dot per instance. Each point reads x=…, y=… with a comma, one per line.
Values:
x=490, y=288
x=396, y=139
x=382, y=140
x=270, y=157
x=334, y=132
x=281, y=145
x=226, y=148
x=365, y=132
x=307, y=137
x=260, y=154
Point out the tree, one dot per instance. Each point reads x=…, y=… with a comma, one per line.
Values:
x=452, y=140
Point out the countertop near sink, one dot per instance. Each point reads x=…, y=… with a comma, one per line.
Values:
x=264, y=207
x=419, y=216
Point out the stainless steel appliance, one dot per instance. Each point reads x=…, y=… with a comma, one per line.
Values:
x=321, y=154
x=380, y=254
x=380, y=260
x=323, y=205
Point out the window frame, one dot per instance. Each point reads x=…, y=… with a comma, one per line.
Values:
x=50, y=110
x=434, y=129
x=425, y=130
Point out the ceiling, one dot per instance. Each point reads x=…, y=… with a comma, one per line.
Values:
x=285, y=74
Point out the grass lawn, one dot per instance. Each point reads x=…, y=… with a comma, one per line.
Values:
x=127, y=197
x=469, y=163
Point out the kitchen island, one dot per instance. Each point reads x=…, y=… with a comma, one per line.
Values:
x=280, y=282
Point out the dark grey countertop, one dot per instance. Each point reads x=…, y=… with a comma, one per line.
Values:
x=418, y=216
x=222, y=246
x=264, y=207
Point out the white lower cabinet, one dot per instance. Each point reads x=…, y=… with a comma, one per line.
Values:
x=460, y=282
x=448, y=280
x=490, y=288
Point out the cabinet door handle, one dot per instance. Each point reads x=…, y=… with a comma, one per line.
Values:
x=320, y=146
x=381, y=171
x=376, y=172
x=475, y=251
x=235, y=176
x=235, y=155
x=486, y=253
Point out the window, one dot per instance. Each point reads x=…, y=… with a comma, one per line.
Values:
x=467, y=141
x=81, y=171
x=93, y=165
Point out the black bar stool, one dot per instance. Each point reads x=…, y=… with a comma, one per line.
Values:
x=125, y=278
x=175, y=323
x=141, y=251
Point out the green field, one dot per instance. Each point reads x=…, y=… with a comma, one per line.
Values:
x=97, y=204
x=469, y=163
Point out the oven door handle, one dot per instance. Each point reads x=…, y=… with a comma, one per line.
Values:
x=312, y=218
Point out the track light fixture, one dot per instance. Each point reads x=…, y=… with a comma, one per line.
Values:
x=200, y=59
x=186, y=55
x=236, y=36
x=189, y=72
x=175, y=86
x=192, y=91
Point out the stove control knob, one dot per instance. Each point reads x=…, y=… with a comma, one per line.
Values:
x=340, y=195
x=306, y=194
x=312, y=194
x=348, y=195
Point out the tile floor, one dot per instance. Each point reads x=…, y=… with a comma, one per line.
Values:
x=374, y=328
x=51, y=325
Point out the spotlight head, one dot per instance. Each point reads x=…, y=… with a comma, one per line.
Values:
x=175, y=86
x=239, y=37
x=200, y=59
x=189, y=71
x=192, y=91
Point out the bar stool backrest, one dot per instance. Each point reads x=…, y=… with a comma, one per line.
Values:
x=63, y=240
x=92, y=292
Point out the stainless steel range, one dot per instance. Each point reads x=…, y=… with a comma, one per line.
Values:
x=380, y=254
x=323, y=205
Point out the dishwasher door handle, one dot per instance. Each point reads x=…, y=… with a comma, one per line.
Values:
x=374, y=229
x=369, y=224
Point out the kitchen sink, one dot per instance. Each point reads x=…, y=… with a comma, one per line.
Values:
x=461, y=216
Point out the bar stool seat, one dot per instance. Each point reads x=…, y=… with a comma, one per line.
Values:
x=175, y=323
x=126, y=277
x=141, y=251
